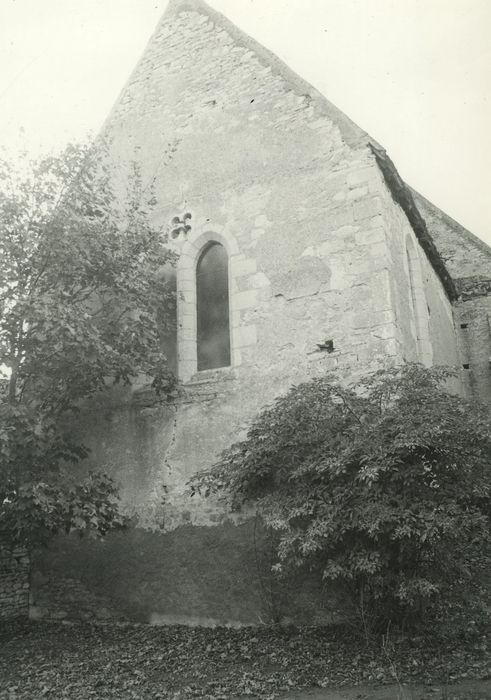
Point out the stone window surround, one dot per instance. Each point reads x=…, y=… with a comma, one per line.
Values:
x=186, y=299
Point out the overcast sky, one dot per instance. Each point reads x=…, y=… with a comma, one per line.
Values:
x=415, y=74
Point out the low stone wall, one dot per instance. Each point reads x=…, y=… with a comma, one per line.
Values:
x=60, y=597
x=14, y=583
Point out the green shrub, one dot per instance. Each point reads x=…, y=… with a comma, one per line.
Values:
x=383, y=487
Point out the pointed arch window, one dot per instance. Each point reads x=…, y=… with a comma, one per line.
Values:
x=212, y=308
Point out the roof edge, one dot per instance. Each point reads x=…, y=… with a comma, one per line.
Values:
x=401, y=193
x=452, y=222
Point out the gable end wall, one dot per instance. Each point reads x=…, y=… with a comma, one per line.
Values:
x=315, y=242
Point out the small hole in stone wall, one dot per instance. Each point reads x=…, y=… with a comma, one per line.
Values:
x=463, y=325
x=327, y=345
x=465, y=365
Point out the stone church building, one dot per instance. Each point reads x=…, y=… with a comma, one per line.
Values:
x=301, y=252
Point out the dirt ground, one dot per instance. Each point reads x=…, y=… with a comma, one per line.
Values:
x=468, y=690
x=58, y=661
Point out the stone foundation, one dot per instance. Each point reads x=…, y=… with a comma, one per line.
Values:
x=192, y=575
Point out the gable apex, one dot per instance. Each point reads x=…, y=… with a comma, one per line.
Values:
x=186, y=13
x=175, y=6
x=351, y=132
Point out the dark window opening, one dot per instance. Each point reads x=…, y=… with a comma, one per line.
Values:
x=212, y=308
x=465, y=365
x=463, y=325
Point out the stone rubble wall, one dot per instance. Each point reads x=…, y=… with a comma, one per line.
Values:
x=59, y=597
x=14, y=583
x=473, y=317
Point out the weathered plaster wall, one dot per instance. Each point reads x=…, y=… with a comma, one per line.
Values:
x=14, y=583
x=191, y=575
x=291, y=189
x=423, y=313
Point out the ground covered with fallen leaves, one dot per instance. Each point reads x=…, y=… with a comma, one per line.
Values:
x=59, y=660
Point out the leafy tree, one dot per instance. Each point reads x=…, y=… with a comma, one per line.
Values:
x=82, y=284
x=383, y=487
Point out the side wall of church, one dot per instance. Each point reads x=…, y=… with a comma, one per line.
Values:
x=423, y=312
x=313, y=241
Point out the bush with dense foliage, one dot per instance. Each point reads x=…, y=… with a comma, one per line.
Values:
x=82, y=285
x=383, y=487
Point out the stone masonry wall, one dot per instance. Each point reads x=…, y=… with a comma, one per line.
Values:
x=14, y=584
x=474, y=327
x=292, y=191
